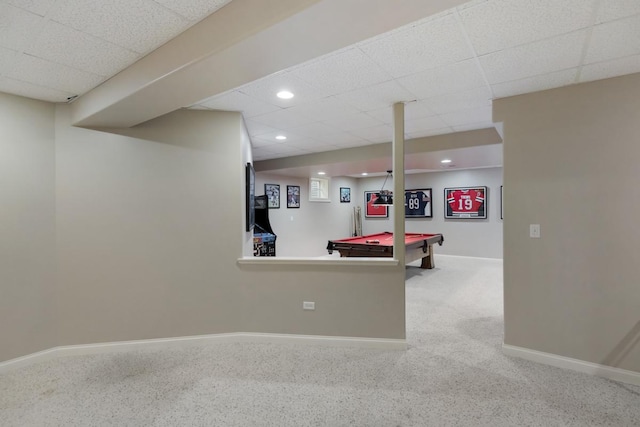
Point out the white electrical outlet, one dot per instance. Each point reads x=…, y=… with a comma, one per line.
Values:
x=308, y=305
x=534, y=231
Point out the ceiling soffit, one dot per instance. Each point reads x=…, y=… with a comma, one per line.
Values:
x=244, y=41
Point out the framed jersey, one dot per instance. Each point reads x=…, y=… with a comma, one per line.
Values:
x=371, y=210
x=417, y=203
x=465, y=202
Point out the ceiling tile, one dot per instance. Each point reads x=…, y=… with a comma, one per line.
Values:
x=254, y=128
x=353, y=121
x=55, y=76
x=8, y=59
x=384, y=115
x=292, y=138
x=452, y=78
x=266, y=89
x=465, y=117
x=257, y=141
x=442, y=104
x=64, y=45
x=382, y=95
x=39, y=7
x=317, y=129
x=282, y=119
x=314, y=145
x=382, y=133
x=412, y=110
x=500, y=24
x=30, y=90
x=610, y=10
x=420, y=47
x=542, y=57
x=17, y=27
x=416, y=110
x=138, y=25
x=194, y=10
x=614, y=40
x=345, y=139
x=605, y=70
x=340, y=72
x=535, y=84
x=325, y=109
x=268, y=140
x=238, y=101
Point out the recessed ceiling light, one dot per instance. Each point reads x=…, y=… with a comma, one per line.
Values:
x=284, y=94
x=322, y=173
x=364, y=174
x=281, y=137
x=445, y=161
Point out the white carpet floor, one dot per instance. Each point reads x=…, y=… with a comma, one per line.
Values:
x=453, y=374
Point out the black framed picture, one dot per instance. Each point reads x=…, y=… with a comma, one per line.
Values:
x=293, y=196
x=250, y=174
x=272, y=191
x=345, y=195
x=465, y=202
x=418, y=203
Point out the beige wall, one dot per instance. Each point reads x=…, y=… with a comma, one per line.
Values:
x=571, y=165
x=145, y=224
x=27, y=229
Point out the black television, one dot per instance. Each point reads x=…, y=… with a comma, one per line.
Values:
x=250, y=197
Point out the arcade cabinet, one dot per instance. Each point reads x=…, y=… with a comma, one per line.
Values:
x=264, y=239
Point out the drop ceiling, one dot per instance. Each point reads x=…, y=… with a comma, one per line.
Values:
x=447, y=66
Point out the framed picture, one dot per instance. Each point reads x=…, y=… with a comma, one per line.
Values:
x=345, y=195
x=272, y=191
x=371, y=210
x=465, y=202
x=417, y=203
x=293, y=196
x=502, y=202
x=250, y=174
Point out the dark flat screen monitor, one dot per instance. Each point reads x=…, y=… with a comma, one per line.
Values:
x=250, y=202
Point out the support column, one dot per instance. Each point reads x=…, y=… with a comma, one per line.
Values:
x=398, y=181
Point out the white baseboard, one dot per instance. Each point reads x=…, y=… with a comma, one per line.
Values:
x=466, y=256
x=615, y=374
x=160, y=343
x=29, y=359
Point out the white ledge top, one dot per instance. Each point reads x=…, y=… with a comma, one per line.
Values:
x=265, y=260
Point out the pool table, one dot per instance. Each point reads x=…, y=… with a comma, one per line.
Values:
x=417, y=246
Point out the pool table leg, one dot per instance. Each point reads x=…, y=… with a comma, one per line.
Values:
x=428, y=261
